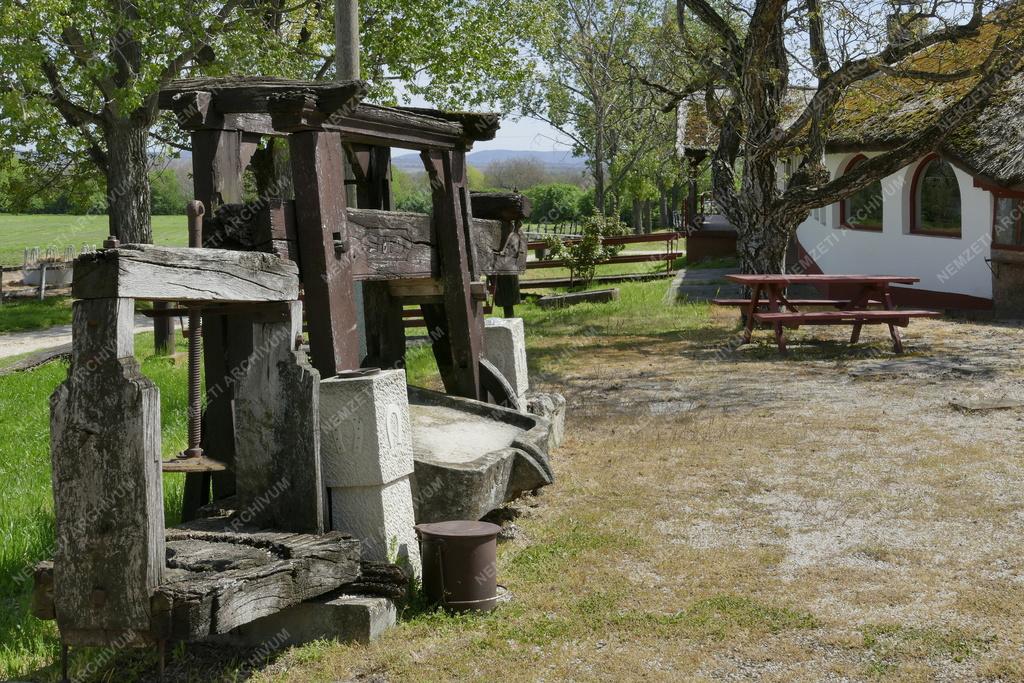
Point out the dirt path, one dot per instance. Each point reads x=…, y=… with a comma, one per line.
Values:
x=18, y=343
x=733, y=515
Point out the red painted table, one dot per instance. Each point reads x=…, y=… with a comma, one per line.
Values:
x=852, y=311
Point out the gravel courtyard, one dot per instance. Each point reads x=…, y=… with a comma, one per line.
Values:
x=727, y=514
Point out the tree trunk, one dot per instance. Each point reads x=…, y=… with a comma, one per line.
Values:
x=128, y=206
x=762, y=245
x=664, y=220
x=648, y=226
x=638, y=216
x=599, y=198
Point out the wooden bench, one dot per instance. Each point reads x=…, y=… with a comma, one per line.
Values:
x=858, y=318
x=838, y=303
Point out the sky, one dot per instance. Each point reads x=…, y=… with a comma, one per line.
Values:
x=527, y=135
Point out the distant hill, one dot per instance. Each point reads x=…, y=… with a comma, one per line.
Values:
x=562, y=160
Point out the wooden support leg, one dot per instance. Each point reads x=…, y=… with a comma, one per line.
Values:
x=318, y=168
x=897, y=340
x=107, y=486
x=855, y=336
x=452, y=215
x=277, y=419
x=748, y=329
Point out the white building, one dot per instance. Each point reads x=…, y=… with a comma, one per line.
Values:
x=952, y=219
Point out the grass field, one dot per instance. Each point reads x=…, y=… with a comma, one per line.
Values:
x=31, y=314
x=21, y=231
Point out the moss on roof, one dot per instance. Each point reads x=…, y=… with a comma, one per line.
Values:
x=885, y=110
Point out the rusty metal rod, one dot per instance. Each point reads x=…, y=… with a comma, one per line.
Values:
x=195, y=343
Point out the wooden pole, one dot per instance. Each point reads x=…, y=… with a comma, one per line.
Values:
x=346, y=39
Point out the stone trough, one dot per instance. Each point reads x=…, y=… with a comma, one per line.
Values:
x=471, y=457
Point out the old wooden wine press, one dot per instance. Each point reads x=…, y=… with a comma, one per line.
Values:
x=270, y=273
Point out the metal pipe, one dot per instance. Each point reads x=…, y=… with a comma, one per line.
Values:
x=195, y=343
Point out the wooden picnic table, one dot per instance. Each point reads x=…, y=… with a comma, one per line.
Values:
x=854, y=310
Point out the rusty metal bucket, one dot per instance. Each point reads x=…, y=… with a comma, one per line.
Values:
x=460, y=564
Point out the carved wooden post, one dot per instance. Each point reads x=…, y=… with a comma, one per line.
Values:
x=277, y=418
x=107, y=486
x=463, y=319
x=318, y=172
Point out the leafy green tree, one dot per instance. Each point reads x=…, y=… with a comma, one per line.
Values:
x=555, y=202
x=586, y=89
x=85, y=74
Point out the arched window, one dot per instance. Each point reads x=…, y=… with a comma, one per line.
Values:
x=935, y=207
x=862, y=211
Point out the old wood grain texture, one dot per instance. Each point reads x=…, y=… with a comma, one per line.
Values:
x=476, y=126
x=320, y=217
x=218, y=578
x=146, y=271
x=251, y=94
x=385, y=245
x=277, y=431
x=452, y=216
x=258, y=574
x=107, y=485
x=501, y=206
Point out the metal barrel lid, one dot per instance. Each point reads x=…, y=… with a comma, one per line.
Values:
x=458, y=529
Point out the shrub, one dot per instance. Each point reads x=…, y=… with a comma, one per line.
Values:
x=582, y=256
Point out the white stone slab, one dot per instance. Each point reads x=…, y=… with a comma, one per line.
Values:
x=365, y=433
x=382, y=517
x=505, y=347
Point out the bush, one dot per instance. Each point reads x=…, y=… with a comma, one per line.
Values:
x=418, y=201
x=555, y=202
x=584, y=255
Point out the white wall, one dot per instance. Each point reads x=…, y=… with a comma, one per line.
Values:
x=944, y=264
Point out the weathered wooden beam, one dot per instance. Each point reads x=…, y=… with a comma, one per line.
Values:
x=146, y=271
x=318, y=170
x=386, y=245
x=252, y=94
x=463, y=316
x=476, y=126
x=221, y=575
x=501, y=206
x=107, y=484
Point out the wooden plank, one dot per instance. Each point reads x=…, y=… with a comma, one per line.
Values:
x=639, y=258
x=146, y=271
x=464, y=328
x=821, y=279
x=107, y=484
x=385, y=245
x=476, y=126
x=320, y=217
x=251, y=94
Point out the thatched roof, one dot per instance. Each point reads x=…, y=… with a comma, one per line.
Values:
x=883, y=111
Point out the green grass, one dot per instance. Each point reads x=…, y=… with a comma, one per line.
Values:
x=29, y=647
x=26, y=500
x=32, y=314
x=18, y=231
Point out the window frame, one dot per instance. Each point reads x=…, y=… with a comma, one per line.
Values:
x=915, y=191
x=845, y=224
x=1020, y=221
